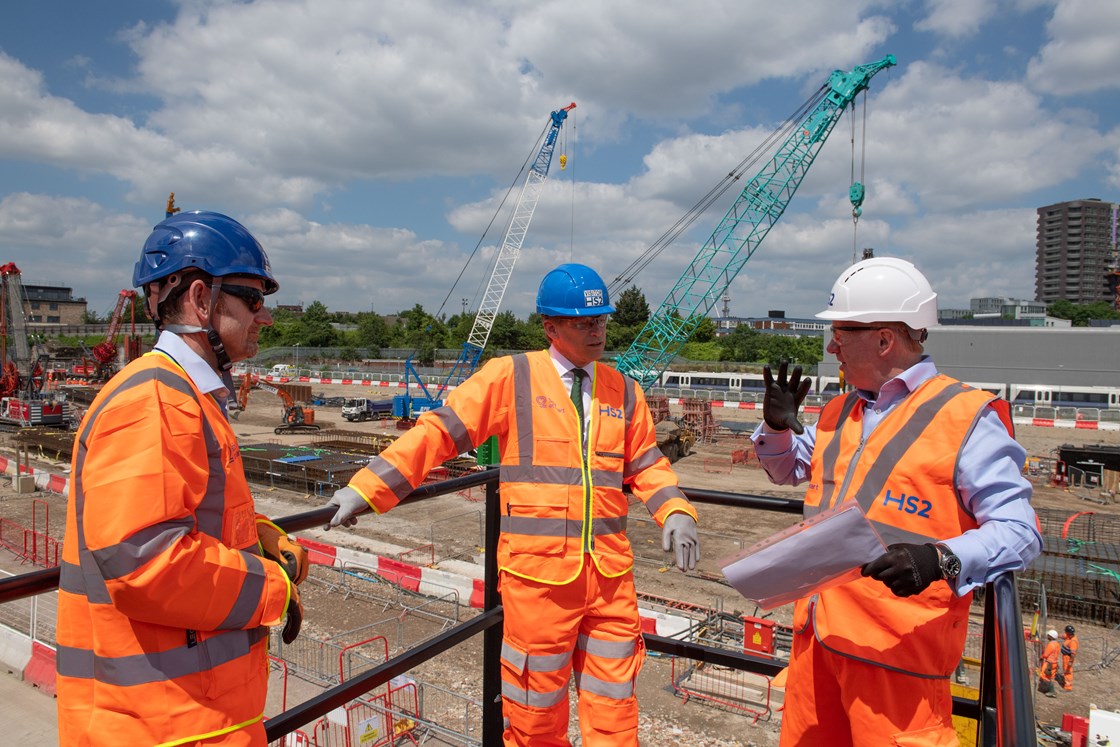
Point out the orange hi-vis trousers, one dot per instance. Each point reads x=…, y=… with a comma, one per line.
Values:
x=836, y=701
x=590, y=626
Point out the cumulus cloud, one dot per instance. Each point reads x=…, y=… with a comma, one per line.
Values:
x=955, y=18
x=1082, y=55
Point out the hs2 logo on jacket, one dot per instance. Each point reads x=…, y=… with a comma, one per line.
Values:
x=910, y=504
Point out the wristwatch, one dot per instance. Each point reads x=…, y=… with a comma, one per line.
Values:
x=949, y=563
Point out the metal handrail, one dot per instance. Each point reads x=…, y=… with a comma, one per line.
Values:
x=1004, y=713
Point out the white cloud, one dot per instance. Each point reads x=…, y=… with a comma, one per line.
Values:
x=1082, y=55
x=956, y=18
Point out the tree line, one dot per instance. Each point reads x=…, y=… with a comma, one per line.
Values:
x=416, y=329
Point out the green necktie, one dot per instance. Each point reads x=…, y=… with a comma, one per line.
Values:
x=578, y=375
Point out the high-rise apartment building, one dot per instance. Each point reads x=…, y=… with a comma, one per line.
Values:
x=1075, y=244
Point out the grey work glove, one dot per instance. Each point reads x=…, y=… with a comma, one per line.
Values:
x=905, y=569
x=349, y=503
x=680, y=531
x=783, y=398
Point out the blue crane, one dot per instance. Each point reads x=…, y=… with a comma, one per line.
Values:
x=737, y=237
x=405, y=405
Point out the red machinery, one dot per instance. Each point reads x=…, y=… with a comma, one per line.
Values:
x=22, y=377
x=105, y=352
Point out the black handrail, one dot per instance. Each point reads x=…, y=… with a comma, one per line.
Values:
x=1004, y=713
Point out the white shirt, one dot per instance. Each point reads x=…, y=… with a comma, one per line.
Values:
x=564, y=368
x=195, y=366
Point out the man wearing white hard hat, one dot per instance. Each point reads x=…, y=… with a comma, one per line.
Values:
x=935, y=467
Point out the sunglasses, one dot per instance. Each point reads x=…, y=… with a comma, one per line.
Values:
x=252, y=297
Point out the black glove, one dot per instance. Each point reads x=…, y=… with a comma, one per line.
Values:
x=295, y=617
x=905, y=569
x=782, y=400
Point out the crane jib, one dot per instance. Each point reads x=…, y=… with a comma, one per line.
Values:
x=758, y=207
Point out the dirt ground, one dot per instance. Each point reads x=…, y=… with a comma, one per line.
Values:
x=452, y=524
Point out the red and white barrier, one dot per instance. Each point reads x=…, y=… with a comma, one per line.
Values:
x=436, y=582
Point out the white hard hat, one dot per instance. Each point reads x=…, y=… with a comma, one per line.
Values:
x=883, y=289
x=1052, y=634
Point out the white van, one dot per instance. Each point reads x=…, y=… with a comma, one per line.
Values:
x=283, y=369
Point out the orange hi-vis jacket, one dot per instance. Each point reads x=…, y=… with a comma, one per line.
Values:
x=553, y=504
x=163, y=596
x=903, y=477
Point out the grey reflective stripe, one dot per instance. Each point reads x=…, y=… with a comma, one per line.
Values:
x=391, y=476
x=454, y=427
x=663, y=496
x=92, y=580
x=629, y=404
x=538, y=527
x=523, y=412
x=892, y=535
x=252, y=587
x=643, y=461
x=137, y=550
x=522, y=662
x=553, y=475
x=894, y=450
x=210, y=512
x=614, y=690
x=533, y=698
x=161, y=666
x=607, y=649
x=831, y=452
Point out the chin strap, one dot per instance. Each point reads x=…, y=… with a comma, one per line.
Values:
x=212, y=337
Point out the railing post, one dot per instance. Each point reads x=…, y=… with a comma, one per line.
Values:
x=1007, y=710
x=492, y=636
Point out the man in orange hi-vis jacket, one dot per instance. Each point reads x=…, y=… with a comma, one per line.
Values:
x=1069, y=654
x=169, y=579
x=1048, y=669
x=935, y=467
x=571, y=433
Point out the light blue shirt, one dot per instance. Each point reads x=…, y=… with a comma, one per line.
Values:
x=195, y=366
x=989, y=480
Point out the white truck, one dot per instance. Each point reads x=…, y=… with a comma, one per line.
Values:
x=359, y=409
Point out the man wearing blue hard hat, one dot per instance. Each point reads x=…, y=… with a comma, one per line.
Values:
x=571, y=433
x=169, y=578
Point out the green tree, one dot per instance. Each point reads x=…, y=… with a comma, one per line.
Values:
x=631, y=308
x=507, y=333
x=705, y=330
x=1082, y=314
x=372, y=331
x=315, y=328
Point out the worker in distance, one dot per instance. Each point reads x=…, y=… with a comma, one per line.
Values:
x=571, y=432
x=169, y=579
x=936, y=469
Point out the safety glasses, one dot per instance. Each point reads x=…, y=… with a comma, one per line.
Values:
x=252, y=297
x=587, y=323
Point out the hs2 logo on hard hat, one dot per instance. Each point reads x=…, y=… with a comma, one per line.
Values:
x=593, y=297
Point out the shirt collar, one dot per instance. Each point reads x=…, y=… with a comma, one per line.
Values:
x=901, y=385
x=564, y=366
x=195, y=366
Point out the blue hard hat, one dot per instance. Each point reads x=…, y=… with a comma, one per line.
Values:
x=214, y=243
x=573, y=290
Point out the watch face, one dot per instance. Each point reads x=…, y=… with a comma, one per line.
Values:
x=950, y=565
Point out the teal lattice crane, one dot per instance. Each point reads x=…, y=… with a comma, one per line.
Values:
x=737, y=237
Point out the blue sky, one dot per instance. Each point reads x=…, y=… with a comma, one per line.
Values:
x=368, y=144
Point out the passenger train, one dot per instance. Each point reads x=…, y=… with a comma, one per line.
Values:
x=1033, y=395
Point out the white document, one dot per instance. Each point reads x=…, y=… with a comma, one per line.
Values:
x=823, y=551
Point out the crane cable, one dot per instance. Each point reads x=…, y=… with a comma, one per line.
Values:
x=782, y=132
x=513, y=184
x=857, y=209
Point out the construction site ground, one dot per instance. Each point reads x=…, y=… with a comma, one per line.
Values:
x=447, y=530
